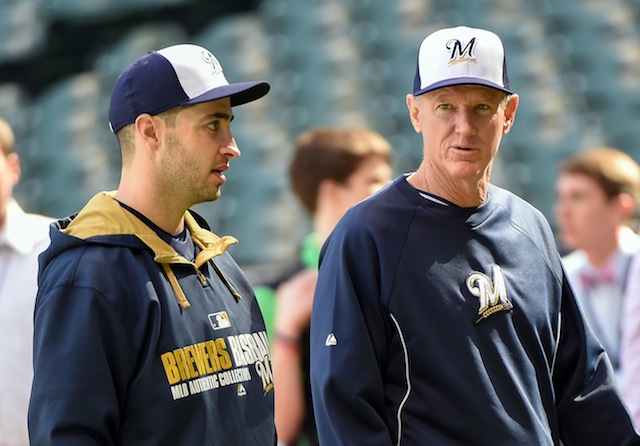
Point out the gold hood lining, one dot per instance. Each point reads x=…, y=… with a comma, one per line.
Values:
x=103, y=216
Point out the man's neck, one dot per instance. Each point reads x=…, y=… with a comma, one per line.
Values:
x=463, y=194
x=600, y=254
x=160, y=213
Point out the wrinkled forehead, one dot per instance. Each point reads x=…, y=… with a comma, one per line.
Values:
x=467, y=92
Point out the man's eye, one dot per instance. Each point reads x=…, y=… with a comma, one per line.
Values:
x=444, y=106
x=215, y=125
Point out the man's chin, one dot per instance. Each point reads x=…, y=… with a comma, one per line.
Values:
x=209, y=196
x=215, y=195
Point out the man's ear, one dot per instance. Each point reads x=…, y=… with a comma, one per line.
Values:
x=627, y=205
x=13, y=161
x=149, y=130
x=326, y=190
x=414, y=112
x=510, y=112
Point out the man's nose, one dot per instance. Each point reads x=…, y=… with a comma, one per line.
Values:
x=230, y=149
x=464, y=122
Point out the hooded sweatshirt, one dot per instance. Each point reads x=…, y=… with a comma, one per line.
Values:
x=135, y=344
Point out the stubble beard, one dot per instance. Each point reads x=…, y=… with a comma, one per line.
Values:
x=181, y=177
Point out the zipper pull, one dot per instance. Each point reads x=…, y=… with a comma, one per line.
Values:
x=202, y=277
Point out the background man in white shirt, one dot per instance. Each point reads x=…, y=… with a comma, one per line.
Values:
x=23, y=237
x=597, y=193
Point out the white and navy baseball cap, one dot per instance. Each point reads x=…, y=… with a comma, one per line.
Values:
x=183, y=74
x=458, y=56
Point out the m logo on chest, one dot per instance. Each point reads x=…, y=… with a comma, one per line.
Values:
x=492, y=293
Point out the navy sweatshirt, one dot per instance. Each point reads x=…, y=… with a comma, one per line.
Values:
x=137, y=345
x=439, y=325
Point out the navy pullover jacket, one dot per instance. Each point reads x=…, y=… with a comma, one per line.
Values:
x=136, y=345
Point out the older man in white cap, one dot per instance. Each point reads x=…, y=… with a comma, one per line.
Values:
x=146, y=330
x=442, y=315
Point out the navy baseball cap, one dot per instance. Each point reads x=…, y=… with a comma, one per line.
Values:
x=459, y=56
x=183, y=74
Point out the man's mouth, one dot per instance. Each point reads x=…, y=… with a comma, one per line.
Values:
x=219, y=172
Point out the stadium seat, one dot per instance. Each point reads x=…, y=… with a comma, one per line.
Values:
x=22, y=30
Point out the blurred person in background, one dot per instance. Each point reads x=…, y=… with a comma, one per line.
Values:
x=597, y=192
x=23, y=237
x=331, y=170
x=630, y=344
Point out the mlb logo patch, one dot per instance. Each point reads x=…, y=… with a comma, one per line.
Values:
x=219, y=320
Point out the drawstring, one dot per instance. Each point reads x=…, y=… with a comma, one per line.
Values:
x=236, y=295
x=182, y=299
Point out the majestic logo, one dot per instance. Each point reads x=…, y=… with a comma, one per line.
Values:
x=331, y=340
x=219, y=320
x=460, y=53
x=209, y=58
x=492, y=294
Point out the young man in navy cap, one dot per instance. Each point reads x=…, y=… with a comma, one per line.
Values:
x=146, y=330
x=442, y=315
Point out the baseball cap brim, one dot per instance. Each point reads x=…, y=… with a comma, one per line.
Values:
x=462, y=81
x=239, y=93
